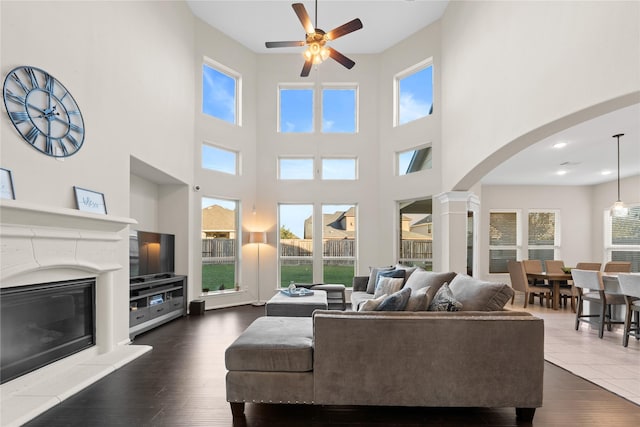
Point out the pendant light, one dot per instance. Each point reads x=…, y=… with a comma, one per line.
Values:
x=619, y=209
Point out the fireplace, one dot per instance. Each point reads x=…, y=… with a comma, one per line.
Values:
x=81, y=255
x=43, y=323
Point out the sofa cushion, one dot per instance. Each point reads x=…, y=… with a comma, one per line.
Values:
x=479, y=295
x=396, y=301
x=274, y=344
x=418, y=300
x=444, y=300
x=408, y=270
x=358, y=298
x=373, y=277
x=372, y=304
x=389, y=282
x=422, y=278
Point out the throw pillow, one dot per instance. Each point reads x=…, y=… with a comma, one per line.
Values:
x=444, y=300
x=417, y=300
x=478, y=295
x=372, y=304
x=407, y=269
x=388, y=285
x=422, y=278
x=396, y=301
x=373, y=277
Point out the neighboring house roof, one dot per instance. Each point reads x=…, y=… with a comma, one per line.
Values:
x=217, y=218
x=334, y=225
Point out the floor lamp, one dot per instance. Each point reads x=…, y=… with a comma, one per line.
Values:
x=258, y=237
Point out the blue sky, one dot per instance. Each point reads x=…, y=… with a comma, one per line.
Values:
x=416, y=95
x=218, y=94
x=218, y=159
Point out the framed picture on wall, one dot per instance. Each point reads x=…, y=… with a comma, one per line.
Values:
x=90, y=201
x=6, y=185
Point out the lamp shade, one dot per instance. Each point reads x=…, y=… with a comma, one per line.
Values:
x=258, y=237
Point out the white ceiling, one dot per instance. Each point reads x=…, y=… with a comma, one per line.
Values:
x=590, y=147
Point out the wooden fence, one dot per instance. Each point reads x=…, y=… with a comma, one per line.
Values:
x=221, y=250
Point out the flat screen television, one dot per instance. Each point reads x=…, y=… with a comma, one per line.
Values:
x=151, y=254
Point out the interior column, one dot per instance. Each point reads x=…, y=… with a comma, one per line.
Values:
x=450, y=230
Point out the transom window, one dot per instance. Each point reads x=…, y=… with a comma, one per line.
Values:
x=220, y=92
x=295, y=168
x=413, y=93
x=219, y=159
x=339, y=168
x=414, y=160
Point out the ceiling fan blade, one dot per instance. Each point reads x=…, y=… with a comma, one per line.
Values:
x=347, y=28
x=303, y=16
x=306, y=68
x=284, y=44
x=341, y=58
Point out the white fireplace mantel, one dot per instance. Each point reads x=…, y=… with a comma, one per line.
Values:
x=41, y=244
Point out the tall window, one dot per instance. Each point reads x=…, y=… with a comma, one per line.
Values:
x=339, y=169
x=339, y=240
x=623, y=240
x=504, y=240
x=413, y=89
x=220, y=91
x=296, y=110
x=544, y=235
x=414, y=160
x=295, y=168
x=416, y=233
x=295, y=223
x=219, y=244
x=219, y=159
x=339, y=110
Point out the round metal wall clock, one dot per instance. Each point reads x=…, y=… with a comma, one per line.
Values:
x=43, y=111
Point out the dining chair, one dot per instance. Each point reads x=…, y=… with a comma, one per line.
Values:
x=617, y=267
x=567, y=290
x=520, y=283
x=533, y=266
x=588, y=266
x=630, y=287
x=590, y=288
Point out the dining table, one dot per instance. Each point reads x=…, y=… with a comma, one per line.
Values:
x=555, y=280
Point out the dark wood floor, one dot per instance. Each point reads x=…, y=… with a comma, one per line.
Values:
x=181, y=383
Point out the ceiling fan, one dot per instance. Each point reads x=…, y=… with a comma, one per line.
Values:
x=316, y=40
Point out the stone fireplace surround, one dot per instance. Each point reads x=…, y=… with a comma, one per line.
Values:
x=41, y=244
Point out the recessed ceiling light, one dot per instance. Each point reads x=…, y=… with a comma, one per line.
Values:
x=606, y=172
x=561, y=172
x=559, y=145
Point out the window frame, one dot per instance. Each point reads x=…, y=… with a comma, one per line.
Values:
x=237, y=244
x=295, y=86
x=229, y=72
x=517, y=247
x=556, y=234
x=237, y=171
x=355, y=168
x=417, y=148
x=609, y=246
x=422, y=65
x=356, y=105
x=353, y=258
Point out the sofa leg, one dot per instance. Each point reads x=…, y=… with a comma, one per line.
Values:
x=237, y=409
x=525, y=414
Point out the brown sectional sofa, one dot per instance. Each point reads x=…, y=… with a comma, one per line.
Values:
x=441, y=359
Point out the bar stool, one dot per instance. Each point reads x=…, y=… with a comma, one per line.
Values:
x=630, y=287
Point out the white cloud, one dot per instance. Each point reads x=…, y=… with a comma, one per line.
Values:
x=411, y=108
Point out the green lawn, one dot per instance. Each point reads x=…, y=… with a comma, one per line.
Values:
x=215, y=275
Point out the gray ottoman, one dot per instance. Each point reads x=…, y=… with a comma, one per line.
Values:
x=282, y=305
x=271, y=362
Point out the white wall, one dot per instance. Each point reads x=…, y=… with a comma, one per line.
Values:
x=510, y=68
x=129, y=65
